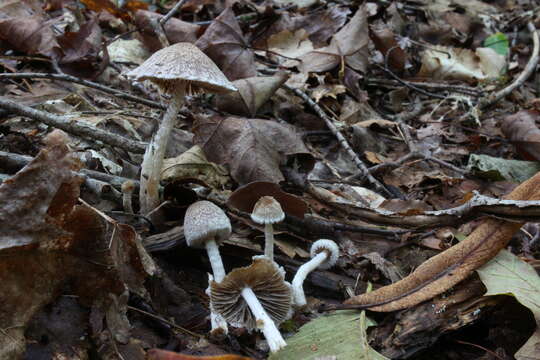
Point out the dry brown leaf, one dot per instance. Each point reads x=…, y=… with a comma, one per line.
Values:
x=30, y=35
x=349, y=46
x=81, y=51
x=385, y=41
x=158, y=354
x=224, y=43
x=520, y=128
x=253, y=149
x=176, y=30
x=448, y=268
x=251, y=95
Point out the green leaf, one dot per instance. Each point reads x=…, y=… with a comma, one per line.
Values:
x=506, y=274
x=341, y=334
x=498, y=42
x=497, y=169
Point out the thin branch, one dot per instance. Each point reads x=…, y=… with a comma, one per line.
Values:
x=342, y=141
x=74, y=127
x=18, y=161
x=171, y=12
x=525, y=74
x=63, y=77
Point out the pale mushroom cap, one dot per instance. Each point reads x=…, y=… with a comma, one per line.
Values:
x=266, y=280
x=267, y=210
x=203, y=221
x=331, y=248
x=182, y=62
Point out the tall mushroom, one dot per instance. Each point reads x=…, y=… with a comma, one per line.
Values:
x=176, y=69
x=267, y=211
x=255, y=297
x=206, y=226
x=324, y=254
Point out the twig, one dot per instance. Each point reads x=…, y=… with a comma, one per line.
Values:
x=429, y=85
x=178, y=327
x=520, y=80
x=171, y=12
x=18, y=161
x=74, y=127
x=342, y=141
x=63, y=77
x=410, y=85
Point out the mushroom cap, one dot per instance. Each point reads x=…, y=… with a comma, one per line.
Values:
x=182, y=62
x=204, y=220
x=331, y=248
x=128, y=186
x=267, y=210
x=266, y=280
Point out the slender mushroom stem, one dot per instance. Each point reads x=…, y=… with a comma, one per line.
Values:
x=269, y=241
x=269, y=328
x=155, y=152
x=299, y=298
x=215, y=260
x=127, y=191
x=217, y=321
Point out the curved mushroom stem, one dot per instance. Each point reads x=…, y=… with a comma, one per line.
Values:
x=269, y=328
x=215, y=260
x=154, y=154
x=269, y=241
x=299, y=298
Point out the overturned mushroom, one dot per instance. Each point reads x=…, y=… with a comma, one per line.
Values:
x=268, y=211
x=255, y=297
x=176, y=69
x=206, y=226
x=324, y=255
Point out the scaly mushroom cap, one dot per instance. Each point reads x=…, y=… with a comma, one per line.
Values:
x=182, y=62
x=265, y=279
x=205, y=220
x=267, y=210
x=331, y=248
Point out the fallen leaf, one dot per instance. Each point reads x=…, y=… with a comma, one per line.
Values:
x=176, y=30
x=253, y=149
x=224, y=43
x=252, y=93
x=340, y=335
x=30, y=35
x=497, y=169
x=385, y=41
x=520, y=128
x=348, y=46
x=291, y=45
x=158, y=354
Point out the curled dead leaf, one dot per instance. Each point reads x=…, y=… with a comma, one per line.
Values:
x=520, y=128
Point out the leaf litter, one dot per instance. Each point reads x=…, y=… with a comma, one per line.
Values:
x=378, y=125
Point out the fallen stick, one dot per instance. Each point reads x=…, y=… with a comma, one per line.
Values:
x=74, y=127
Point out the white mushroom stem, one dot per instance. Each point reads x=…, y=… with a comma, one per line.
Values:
x=269, y=328
x=269, y=241
x=126, y=201
x=155, y=152
x=299, y=298
x=218, y=322
x=215, y=260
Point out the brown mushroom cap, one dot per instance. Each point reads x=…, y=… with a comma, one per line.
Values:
x=266, y=280
x=267, y=210
x=204, y=220
x=182, y=62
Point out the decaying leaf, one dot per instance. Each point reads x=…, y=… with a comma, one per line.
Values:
x=348, y=46
x=446, y=269
x=176, y=30
x=521, y=129
x=46, y=241
x=30, y=35
x=251, y=95
x=497, y=169
x=193, y=164
x=253, y=149
x=224, y=43
x=290, y=44
x=442, y=62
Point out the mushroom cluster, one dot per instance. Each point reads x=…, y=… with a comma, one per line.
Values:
x=257, y=296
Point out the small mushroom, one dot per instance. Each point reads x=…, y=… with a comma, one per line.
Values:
x=206, y=226
x=127, y=192
x=324, y=255
x=255, y=297
x=267, y=211
x=176, y=69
